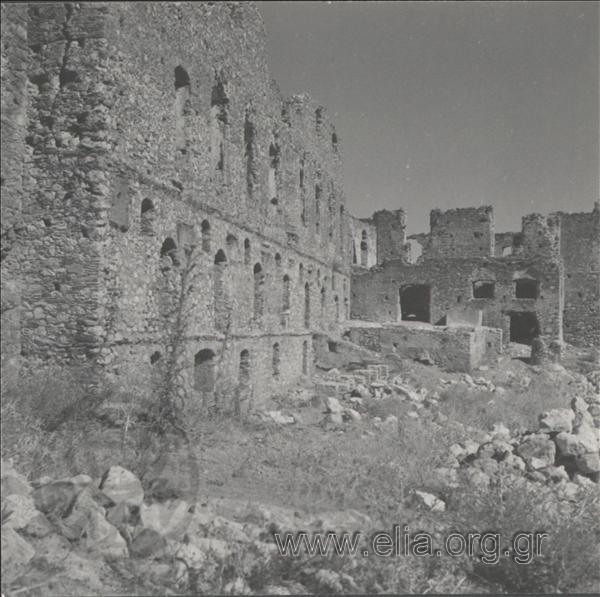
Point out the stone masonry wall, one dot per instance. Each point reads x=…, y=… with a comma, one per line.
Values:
x=15, y=57
x=375, y=294
x=154, y=132
x=580, y=250
x=461, y=233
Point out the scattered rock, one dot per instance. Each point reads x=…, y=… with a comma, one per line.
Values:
x=147, y=543
x=538, y=451
x=15, y=484
x=20, y=510
x=431, y=501
x=588, y=463
x=55, y=498
x=332, y=405
x=576, y=444
x=169, y=519
x=39, y=526
x=121, y=485
x=281, y=419
x=557, y=420
x=16, y=555
x=352, y=415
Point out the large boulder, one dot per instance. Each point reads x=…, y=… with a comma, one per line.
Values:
x=538, y=451
x=121, y=485
x=147, y=543
x=588, y=463
x=557, y=420
x=22, y=511
x=170, y=519
x=584, y=441
x=16, y=555
x=56, y=498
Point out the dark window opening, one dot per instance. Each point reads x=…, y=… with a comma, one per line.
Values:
x=415, y=303
x=334, y=142
x=155, y=357
x=285, y=303
x=332, y=346
x=318, y=118
x=483, y=289
x=336, y=302
x=272, y=183
x=354, y=259
x=259, y=283
x=182, y=107
x=219, y=120
x=524, y=327
x=305, y=357
x=169, y=249
x=307, y=305
x=147, y=216
x=182, y=79
x=526, y=288
x=277, y=259
x=250, y=151
x=276, y=360
x=231, y=241
x=204, y=371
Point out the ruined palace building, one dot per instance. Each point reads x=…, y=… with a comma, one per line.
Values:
x=152, y=170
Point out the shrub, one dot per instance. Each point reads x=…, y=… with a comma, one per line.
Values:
x=569, y=556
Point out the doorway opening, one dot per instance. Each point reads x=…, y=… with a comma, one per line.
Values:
x=524, y=327
x=415, y=301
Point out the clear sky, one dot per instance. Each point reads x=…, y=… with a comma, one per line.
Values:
x=451, y=104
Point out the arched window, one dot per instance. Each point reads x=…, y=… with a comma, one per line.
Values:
x=147, y=217
x=250, y=151
x=276, y=360
x=168, y=251
x=232, y=244
x=323, y=300
x=247, y=252
x=220, y=294
x=301, y=273
x=334, y=141
x=346, y=308
x=182, y=107
x=277, y=259
x=285, y=303
x=204, y=371
x=336, y=300
x=364, y=249
x=307, y=305
x=205, y=229
x=272, y=183
x=259, y=284
x=219, y=104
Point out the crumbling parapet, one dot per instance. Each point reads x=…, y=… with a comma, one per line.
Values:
x=391, y=234
x=541, y=235
x=461, y=233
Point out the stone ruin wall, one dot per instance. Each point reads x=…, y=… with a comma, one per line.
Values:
x=580, y=250
x=151, y=129
x=561, y=252
x=14, y=106
x=376, y=294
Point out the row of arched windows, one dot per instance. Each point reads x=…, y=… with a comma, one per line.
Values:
x=205, y=362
